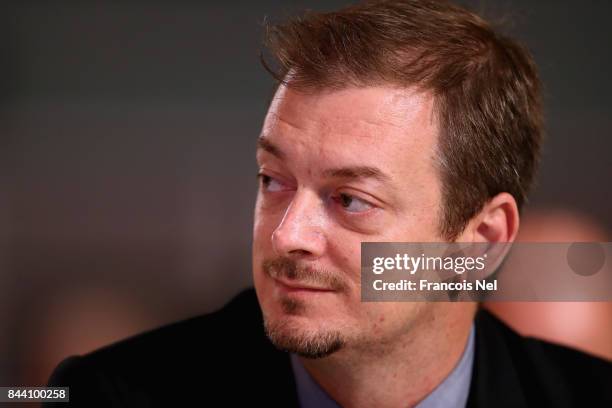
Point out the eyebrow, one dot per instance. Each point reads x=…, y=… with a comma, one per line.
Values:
x=349, y=172
x=264, y=144
x=357, y=172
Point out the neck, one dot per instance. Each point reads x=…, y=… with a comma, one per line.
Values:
x=399, y=373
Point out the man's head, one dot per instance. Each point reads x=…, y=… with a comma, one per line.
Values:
x=394, y=121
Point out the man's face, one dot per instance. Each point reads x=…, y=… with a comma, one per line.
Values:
x=338, y=168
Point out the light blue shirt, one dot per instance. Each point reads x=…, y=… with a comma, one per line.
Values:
x=451, y=393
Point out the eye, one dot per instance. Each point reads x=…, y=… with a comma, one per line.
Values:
x=352, y=204
x=271, y=184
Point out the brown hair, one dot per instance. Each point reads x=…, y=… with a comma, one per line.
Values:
x=486, y=87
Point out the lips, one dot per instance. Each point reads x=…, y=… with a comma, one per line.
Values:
x=293, y=286
x=291, y=277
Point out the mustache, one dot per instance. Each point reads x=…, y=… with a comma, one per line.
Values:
x=284, y=267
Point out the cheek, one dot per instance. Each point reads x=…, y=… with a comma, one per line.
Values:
x=262, y=241
x=262, y=249
x=345, y=251
x=265, y=221
x=390, y=319
x=419, y=225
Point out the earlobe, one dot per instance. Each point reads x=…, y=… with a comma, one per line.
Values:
x=498, y=220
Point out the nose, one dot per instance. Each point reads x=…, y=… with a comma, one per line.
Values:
x=301, y=231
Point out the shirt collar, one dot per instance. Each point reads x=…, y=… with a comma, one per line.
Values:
x=452, y=392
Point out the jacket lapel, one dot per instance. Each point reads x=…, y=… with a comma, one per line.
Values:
x=495, y=381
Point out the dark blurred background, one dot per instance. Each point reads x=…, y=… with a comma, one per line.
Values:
x=127, y=168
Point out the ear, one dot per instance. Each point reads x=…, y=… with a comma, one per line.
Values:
x=498, y=221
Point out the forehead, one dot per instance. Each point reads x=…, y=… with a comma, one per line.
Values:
x=378, y=120
x=390, y=132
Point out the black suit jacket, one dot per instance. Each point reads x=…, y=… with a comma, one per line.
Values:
x=225, y=356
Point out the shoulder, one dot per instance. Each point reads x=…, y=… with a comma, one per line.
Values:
x=211, y=336
x=210, y=353
x=547, y=374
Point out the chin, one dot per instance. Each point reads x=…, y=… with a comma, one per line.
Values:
x=300, y=322
x=303, y=336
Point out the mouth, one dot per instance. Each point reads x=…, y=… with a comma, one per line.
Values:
x=299, y=287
